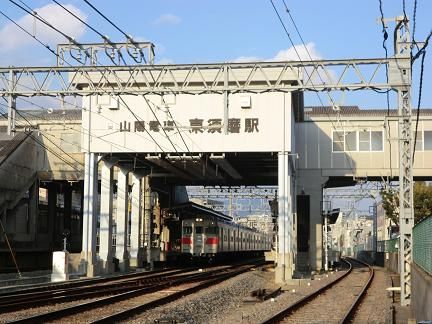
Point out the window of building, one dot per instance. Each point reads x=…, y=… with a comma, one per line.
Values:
x=428, y=140
x=418, y=140
x=358, y=141
x=351, y=141
x=364, y=141
x=338, y=141
x=377, y=140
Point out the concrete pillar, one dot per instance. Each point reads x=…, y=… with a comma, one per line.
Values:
x=106, y=217
x=284, y=269
x=136, y=219
x=312, y=182
x=122, y=218
x=88, y=253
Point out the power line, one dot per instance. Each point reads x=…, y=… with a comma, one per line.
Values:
x=414, y=22
x=75, y=130
x=108, y=20
x=45, y=147
x=32, y=13
x=419, y=102
x=387, y=92
x=28, y=33
x=81, y=20
x=35, y=15
x=151, y=74
x=309, y=76
x=129, y=37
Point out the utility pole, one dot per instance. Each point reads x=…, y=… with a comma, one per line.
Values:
x=406, y=192
x=400, y=73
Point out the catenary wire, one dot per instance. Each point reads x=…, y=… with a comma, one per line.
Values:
x=128, y=37
x=76, y=43
x=309, y=77
x=384, y=45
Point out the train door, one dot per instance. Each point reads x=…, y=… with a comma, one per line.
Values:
x=198, y=239
x=187, y=237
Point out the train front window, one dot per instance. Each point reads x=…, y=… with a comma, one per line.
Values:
x=212, y=230
x=198, y=230
x=187, y=229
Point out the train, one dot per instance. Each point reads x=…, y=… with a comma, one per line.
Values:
x=213, y=238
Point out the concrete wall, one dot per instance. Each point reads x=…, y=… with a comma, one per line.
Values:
x=421, y=299
x=63, y=160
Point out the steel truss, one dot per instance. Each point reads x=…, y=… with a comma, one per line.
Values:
x=355, y=74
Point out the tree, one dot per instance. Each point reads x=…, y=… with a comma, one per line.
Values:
x=422, y=202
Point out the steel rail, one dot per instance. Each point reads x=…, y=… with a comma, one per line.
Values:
x=84, y=282
x=41, y=318
x=351, y=312
x=301, y=302
x=67, y=295
x=128, y=313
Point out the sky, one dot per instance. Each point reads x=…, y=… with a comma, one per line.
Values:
x=204, y=31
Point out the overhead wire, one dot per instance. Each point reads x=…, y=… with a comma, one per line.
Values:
x=108, y=20
x=76, y=130
x=81, y=20
x=419, y=104
x=120, y=98
x=308, y=75
x=151, y=74
x=32, y=13
x=387, y=92
x=124, y=103
x=48, y=149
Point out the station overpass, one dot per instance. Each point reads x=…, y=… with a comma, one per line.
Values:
x=339, y=148
x=333, y=149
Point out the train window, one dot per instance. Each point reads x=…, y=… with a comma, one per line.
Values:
x=198, y=230
x=211, y=230
x=187, y=229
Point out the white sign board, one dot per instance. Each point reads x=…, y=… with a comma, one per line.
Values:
x=188, y=123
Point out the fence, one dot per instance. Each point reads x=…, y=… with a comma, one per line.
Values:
x=422, y=244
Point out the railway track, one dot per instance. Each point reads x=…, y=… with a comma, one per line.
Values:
x=319, y=306
x=126, y=304
x=86, y=289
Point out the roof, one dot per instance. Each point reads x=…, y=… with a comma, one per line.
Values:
x=193, y=208
x=317, y=111
x=9, y=143
x=48, y=114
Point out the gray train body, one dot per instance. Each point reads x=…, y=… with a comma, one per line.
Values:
x=209, y=237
